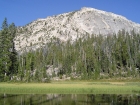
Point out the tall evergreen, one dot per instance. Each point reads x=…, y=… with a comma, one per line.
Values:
x=91, y=57
x=13, y=54
x=8, y=53
x=4, y=51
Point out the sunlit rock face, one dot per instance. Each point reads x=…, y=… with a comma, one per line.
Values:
x=71, y=26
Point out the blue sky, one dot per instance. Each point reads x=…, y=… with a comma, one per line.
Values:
x=22, y=12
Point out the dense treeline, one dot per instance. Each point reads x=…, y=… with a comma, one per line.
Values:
x=91, y=57
x=8, y=55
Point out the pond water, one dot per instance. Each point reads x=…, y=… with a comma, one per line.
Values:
x=69, y=99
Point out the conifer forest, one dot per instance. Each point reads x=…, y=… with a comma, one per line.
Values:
x=88, y=58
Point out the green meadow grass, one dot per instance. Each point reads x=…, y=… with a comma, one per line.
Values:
x=70, y=87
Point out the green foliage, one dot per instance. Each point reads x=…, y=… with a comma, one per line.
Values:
x=8, y=55
x=94, y=57
x=91, y=57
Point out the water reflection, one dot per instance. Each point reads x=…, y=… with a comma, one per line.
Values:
x=70, y=99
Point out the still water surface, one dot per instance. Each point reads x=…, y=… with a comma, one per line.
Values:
x=70, y=99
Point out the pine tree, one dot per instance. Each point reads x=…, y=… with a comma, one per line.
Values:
x=8, y=59
x=13, y=53
x=4, y=51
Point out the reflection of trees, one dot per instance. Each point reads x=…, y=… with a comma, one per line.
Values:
x=55, y=99
x=106, y=97
x=113, y=99
x=122, y=100
x=92, y=98
x=31, y=101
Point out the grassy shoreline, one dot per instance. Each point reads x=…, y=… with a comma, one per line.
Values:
x=71, y=87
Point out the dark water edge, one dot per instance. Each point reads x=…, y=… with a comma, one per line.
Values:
x=70, y=99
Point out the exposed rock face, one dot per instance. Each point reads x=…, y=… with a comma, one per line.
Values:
x=70, y=26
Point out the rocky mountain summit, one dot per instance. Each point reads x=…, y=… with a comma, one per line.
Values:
x=70, y=26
